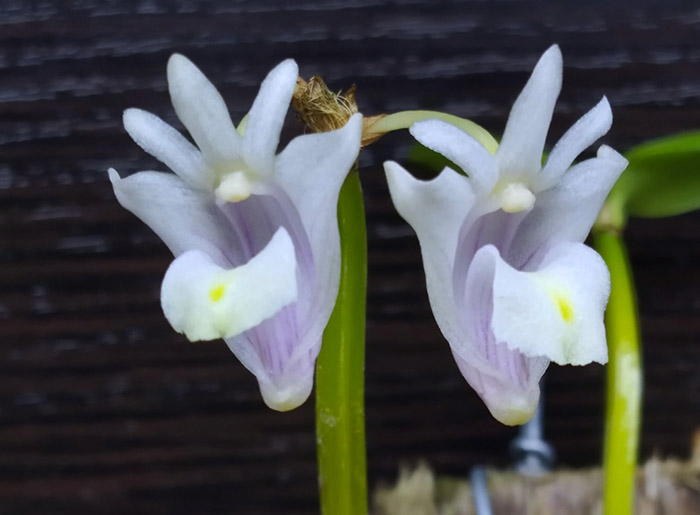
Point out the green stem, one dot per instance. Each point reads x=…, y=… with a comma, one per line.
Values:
x=624, y=381
x=340, y=418
x=404, y=119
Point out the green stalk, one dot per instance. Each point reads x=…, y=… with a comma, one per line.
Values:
x=624, y=379
x=340, y=369
x=404, y=119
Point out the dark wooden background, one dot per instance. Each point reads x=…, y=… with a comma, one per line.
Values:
x=103, y=409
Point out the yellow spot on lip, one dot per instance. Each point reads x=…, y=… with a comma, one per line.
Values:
x=217, y=293
x=566, y=310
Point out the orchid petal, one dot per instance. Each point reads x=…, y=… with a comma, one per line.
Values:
x=567, y=211
x=557, y=310
x=591, y=126
x=460, y=148
x=202, y=110
x=435, y=210
x=205, y=301
x=168, y=146
x=520, y=151
x=266, y=117
x=311, y=171
x=185, y=219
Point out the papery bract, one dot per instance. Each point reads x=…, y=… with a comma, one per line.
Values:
x=510, y=282
x=254, y=234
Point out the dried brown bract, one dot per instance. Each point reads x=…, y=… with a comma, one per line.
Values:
x=322, y=110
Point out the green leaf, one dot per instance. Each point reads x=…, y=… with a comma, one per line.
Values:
x=662, y=179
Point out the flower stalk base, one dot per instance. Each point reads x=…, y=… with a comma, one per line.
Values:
x=624, y=380
x=340, y=369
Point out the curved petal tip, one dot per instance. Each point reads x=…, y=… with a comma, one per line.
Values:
x=178, y=64
x=607, y=152
x=113, y=176
x=553, y=53
x=513, y=408
x=290, y=395
x=287, y=69
x=546, y=77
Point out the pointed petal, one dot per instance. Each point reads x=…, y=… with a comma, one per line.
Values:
x=567, y=211
x=266, y=117
x=556, y=311
x=436, y=210
x=205, y=302
x=311, y=171
x=183, y=218
x=314, y=166
x=202, y=110
x=168, y=146
x=460, y=148
x=520, y=151
x=591, y=126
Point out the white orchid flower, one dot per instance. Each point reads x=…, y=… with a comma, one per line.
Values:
x=510, y=282
x=254, y=234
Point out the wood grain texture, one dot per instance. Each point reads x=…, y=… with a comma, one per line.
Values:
x=103, y=409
